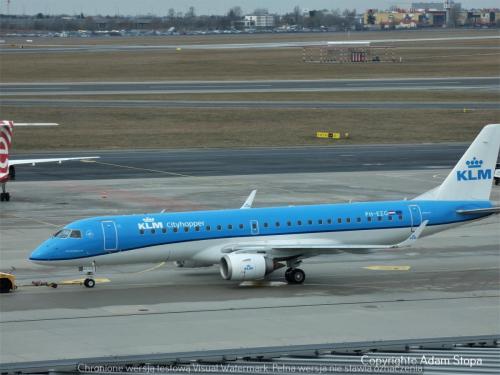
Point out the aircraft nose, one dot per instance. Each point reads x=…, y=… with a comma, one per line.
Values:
x=42, y=253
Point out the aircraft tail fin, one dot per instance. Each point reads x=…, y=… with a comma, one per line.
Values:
x=472, y=177
x=6, y=130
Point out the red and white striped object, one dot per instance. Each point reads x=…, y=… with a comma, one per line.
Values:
x=6, y=129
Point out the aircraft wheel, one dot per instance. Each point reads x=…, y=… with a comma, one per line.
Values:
x=89, y=283
x=298, y=276
x=5, y=286
x=2, y=197
x=7, y=197
x=295, y=276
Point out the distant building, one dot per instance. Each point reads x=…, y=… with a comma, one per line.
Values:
x=264, y=21
x=393, y=19
x=479, y=17
x=402, y=19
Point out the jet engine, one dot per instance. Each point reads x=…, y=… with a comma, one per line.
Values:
x=245, y=266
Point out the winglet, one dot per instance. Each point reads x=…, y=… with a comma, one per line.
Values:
x=413, y=237
x=248, y=203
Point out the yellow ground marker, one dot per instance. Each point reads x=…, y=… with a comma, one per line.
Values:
x=388, y=268
x=80, y=281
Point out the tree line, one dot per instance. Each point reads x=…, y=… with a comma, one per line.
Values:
x=181, y=21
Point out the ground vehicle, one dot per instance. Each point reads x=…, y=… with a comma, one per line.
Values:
x=7, y=282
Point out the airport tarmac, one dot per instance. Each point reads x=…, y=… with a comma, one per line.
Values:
x=86, y=103
x=199, y=87
x=447, y=285
x=157, y=163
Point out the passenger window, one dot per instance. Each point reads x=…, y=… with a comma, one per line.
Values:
x=400, y=217
x=141, y=231
x=153, y=231
x=358, y=219
x=254, y=225
x=329, y=221
x=369, y=218
x=277, y=224
x=348, y=220
x=309, y=222
x=186, y=229
x=230, y=226
x=266, y=225
x=299, y=222
x=339, y=220
x=219, y=227
x=379, y=218
x=175, y=230
x=289, y=223
x=207, y=228
x=390, y=218
x=241, y=226
x=320, y=221
x=164, y=230
x=76, y=234
x=197, y=228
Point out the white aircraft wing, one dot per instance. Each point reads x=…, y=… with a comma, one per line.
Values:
x=320, y=246
x=48, y=160
x=248, y=203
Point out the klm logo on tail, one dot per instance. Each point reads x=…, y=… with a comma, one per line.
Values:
x=474, y=171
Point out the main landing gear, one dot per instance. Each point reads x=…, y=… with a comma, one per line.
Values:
x=4, y=196
x=295, y=276
x=89, y=281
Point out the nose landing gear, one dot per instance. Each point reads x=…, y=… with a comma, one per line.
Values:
x=89, y=281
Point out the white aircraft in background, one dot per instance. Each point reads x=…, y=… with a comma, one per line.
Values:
x=7, y=167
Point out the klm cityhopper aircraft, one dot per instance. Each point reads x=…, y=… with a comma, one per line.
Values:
x=250, y=243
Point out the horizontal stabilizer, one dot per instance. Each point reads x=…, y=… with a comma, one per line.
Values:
x=489, y=210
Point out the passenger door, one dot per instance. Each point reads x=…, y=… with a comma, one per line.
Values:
x=110, y=235
x=415, y=216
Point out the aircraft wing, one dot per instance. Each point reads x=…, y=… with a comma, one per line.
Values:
x=48, y=160
x=283, y=247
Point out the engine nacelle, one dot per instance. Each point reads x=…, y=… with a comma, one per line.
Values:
x=245, y=266
x=191, y=264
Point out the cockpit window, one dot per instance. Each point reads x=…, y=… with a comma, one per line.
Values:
x=75, y=234
x=64, y=233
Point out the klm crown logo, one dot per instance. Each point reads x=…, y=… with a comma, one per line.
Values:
x=474, y=171
x=474, y=163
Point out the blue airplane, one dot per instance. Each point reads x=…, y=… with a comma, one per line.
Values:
x=250, y=243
